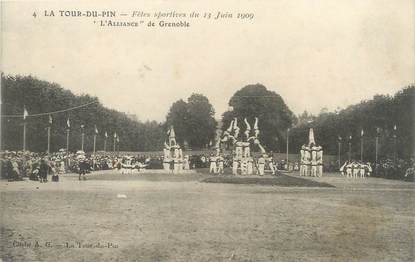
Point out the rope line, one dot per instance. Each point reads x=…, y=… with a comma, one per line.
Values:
x=53, y=112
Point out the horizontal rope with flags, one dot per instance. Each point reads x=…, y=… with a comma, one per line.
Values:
x=53, y=112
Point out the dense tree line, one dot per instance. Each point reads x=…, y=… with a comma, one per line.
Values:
x=377, y=117
x=41, y=96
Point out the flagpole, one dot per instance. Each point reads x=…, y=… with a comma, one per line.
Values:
x=394, y=149
x=48, y=140
x=394, y=144
x=361, y=148
x=95, y=140
x=25, y=114
x=288, y=133
x=105, y=144
x=82, y=137
x=361, y=144
x=118, y=146
x=67, y=141
x=339, y=156
x=376, y=148
x=114, y=142
x=350, y=148
x=68, y=125
x=24, y=135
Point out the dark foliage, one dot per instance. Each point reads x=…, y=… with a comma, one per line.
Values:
x=273, y=114
x=193, y=121
x=41, y=96
x=377, y=117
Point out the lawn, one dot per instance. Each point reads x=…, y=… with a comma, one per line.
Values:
x=199, y=217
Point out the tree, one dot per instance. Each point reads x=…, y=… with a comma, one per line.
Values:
x=178, y=118
x=201, y=122
x=377, y=117
x=274, y=115
x=193, y=121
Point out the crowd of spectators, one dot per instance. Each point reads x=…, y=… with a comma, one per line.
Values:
x=399, y=169
x=16, y=165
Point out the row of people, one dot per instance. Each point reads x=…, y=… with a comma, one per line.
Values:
x=243, y=166
x=385, y=168
x=355, y=169
x=175, y=165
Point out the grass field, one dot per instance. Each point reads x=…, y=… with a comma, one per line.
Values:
x=164, y=217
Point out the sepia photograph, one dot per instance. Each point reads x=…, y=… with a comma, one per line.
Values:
x=207, y=130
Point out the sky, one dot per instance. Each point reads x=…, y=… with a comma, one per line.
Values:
x=316, y=54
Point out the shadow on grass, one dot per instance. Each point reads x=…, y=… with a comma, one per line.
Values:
x=281, y=180
x=202, y=175
x=152, y=177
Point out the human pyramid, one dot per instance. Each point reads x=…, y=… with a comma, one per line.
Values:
x=173, y=159
x=311, y=158
x=242, y=161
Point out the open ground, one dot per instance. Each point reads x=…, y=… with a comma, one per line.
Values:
x=165, y=217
